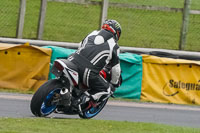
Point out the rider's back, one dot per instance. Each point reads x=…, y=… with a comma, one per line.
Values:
x=98, y=48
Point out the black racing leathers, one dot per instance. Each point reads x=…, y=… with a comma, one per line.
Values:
x=96, y=51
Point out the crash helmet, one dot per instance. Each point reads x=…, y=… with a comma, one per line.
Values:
x=114, y=27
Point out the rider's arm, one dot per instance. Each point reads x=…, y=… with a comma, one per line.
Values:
x=116, y=70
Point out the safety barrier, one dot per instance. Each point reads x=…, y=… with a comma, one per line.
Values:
x=145, y=77
x=131, y=87
x=153, y=78
x=169, y=80
x=23, y=67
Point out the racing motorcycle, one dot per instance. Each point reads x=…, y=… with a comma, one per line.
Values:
x=57, y=95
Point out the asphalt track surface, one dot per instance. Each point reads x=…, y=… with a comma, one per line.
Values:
x=18, y=106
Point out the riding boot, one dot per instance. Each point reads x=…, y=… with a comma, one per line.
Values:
x=81, y=100
x=103, y=95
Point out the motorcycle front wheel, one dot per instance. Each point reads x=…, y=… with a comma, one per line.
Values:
x=93, y=111
x=41, y=104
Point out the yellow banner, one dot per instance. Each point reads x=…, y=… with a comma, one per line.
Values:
x=23, y=67
x=168, y=80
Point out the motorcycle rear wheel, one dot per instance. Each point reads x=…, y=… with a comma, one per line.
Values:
x=40, y=105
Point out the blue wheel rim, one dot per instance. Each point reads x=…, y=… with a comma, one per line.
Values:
x=94, y=110
x=45, y=110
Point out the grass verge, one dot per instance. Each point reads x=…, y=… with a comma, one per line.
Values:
x=41, y=125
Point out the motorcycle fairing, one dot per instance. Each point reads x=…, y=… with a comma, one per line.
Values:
x=71, y=74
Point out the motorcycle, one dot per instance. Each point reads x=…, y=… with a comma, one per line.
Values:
x=57, y=95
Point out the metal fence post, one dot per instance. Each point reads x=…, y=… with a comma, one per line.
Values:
x=184, y=28
x=41, y=19
x=104, y=12
x=20, y=24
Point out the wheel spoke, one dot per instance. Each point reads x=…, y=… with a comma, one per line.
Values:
x=48, y=106
x=93, y=111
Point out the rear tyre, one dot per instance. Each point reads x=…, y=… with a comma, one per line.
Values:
x=40, y=102
x=93, y=111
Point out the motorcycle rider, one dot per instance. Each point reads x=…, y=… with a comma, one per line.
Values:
x=98, y=50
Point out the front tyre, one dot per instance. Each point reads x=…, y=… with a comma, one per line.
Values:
x=93, y=111
x=41, y=101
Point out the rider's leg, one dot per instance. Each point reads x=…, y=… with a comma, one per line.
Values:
x=100, y=88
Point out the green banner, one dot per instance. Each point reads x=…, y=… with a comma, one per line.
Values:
x=131, y=65
x=58, y=52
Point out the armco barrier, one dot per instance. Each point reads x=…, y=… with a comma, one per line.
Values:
x=189, y=55
x=23, y=67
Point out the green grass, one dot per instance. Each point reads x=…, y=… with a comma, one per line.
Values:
x=146, y=30
x=72, y=22
x=48, y=125
x=8, y=17
x=195, y=4
x=31, y=19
